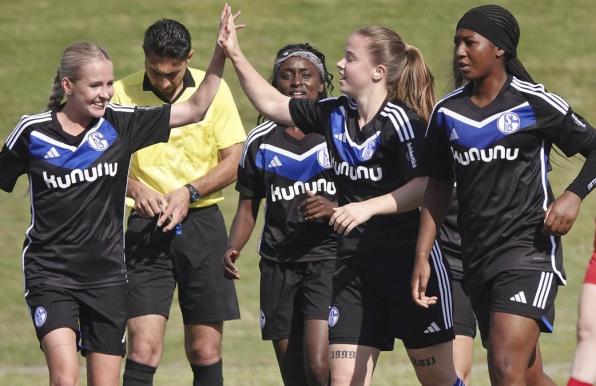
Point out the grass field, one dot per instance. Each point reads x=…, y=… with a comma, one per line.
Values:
x=557, y=47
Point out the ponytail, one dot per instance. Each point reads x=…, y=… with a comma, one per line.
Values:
x=57, y=93
x=408, y=79
x=73, y=58
x=415, y=84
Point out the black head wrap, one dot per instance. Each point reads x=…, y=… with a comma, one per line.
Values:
x=499, y=26
x=502, y=35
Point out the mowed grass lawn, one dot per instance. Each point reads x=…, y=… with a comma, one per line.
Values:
x=557, y=47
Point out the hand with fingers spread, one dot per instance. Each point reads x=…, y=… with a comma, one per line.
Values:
x=178, y=201
x=148, y=202
x=226, y=37
x=229, y=259
x=420, y=276
x=316, y=206
x=347, y=217
x=561, y=214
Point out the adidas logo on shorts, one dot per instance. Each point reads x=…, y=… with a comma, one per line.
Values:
x=519, y=297
x=432, y=328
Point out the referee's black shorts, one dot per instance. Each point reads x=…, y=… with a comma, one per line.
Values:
x=372, y=306
x=189, y=257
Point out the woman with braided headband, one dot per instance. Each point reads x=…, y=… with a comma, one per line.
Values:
x=495, y=134
x=282, y=165
x=374, y=136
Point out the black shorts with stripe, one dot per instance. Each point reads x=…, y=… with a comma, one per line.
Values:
x=520, y=292
x=372, y=306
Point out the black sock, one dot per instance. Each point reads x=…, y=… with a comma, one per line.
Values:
x=137, y=374
x=211, y=375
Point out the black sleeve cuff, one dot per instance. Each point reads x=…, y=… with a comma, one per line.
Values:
x=585, y=181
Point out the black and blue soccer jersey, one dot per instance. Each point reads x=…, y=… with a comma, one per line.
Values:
x=368, y=162
x=281, y=169
x=77, y=187
x=500, y=156
x=451, y=240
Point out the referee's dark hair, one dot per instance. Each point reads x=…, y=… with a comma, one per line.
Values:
x=73, y=58
x=509, y=27
x=167, y=38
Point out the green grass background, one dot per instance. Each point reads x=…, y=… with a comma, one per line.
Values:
x=557, y=47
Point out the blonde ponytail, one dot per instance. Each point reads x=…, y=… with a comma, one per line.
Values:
x=57, y=93
x=415, y=84
x=73, y=58
x=408, y=78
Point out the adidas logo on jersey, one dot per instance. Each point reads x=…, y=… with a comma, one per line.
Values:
x=275, y=162
x=289, y=192
x=454, y=136
x=432, y=328
x=77, y=175
x=519, y=297
x=52, y=153
x=485, y=155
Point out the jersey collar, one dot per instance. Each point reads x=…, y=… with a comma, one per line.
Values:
x=187, y=81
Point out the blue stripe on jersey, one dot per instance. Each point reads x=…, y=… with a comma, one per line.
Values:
x=296, y=167
x=348, y=150
x=95, y=142
x=470, y=133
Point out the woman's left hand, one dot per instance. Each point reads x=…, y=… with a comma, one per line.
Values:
x=561, y=214
x=315, y=207
x=349, y=216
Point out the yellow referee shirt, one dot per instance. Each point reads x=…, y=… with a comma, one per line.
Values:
x=193, y=149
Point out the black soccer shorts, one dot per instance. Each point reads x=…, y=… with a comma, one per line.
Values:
x=372, y=306
x=292, y=293
x=520, y=292
x=190, y=256
x=97, y=315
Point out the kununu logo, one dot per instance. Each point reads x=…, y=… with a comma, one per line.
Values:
x=357, y=172
x=299, y=187
x=97, y=141
x=323, y=158
x=77, y=175
x=508, y=123
x=485, y=155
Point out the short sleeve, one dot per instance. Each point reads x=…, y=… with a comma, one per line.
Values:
x=14, y=161
x=409, y=142
x=141, y=126
x=573, y=135
x=311, y=115
x=436, y=158
x=556, y=121
x=226, y=120
x=250, y=179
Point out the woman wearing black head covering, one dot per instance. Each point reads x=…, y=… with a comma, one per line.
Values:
x=494, y=135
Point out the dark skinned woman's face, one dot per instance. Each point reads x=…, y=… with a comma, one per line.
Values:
x=475, y=56
x=299, y=78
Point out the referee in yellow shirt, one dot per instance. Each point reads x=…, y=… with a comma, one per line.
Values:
x=184, y=178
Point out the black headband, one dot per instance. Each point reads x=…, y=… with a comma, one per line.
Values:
x=479, y=23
